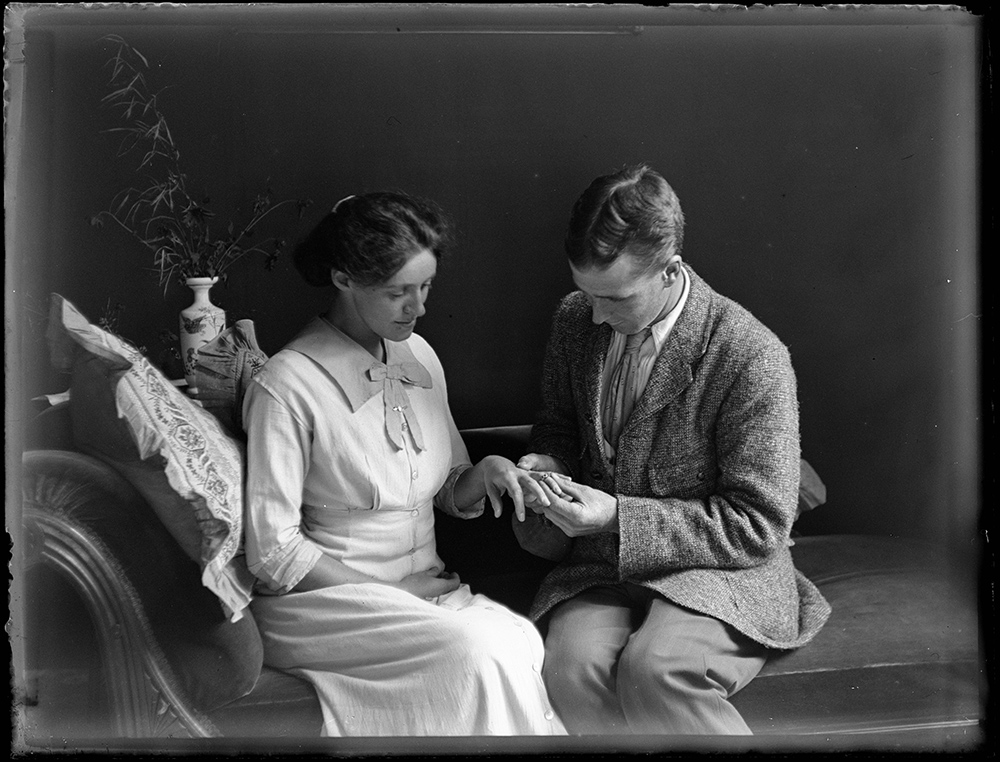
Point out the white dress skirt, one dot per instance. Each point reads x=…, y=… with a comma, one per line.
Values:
x=325, y=476
x=386, y=663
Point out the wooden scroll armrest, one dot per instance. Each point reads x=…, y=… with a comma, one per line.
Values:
x=66, y=497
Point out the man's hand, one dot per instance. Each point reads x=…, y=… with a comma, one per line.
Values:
x=579, y=510
x=535, y=462
x=538, y=466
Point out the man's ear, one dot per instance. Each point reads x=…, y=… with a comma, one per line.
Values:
x=672, y=269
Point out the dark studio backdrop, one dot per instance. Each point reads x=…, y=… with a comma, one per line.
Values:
x=826, y=160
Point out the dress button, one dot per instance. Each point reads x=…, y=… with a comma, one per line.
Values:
x=413, y=476
x=414, y=513
x=549, y=715
x=534, y=667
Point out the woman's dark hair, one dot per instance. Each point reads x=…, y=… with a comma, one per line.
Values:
x=634, y=208
x=370, y=237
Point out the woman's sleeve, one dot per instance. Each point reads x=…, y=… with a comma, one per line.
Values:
x=278, y=455
x=444, y=500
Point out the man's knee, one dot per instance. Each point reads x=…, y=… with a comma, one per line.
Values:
x=649, y=677
x=572, y=668
x=685, y=690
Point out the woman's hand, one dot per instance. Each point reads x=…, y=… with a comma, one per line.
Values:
x=501, y=476
x=429, y=584
x=493, y=477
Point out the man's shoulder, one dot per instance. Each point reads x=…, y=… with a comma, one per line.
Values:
x=737, y=327
x=573, y=308
x=574, y=303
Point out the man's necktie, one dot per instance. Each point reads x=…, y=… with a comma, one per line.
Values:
x=623, y=388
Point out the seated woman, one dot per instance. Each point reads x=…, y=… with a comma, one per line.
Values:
x=350, y=446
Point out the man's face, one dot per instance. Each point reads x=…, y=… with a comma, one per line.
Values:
x=623, y=296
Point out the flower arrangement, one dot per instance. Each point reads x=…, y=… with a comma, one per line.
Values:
x=161, y=213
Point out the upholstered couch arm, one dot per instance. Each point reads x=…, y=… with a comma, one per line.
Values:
x=76, y=509
x=169, y=653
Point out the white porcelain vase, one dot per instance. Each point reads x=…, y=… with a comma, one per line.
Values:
x=200, y=323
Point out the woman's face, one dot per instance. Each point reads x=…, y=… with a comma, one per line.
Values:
x=389, y=310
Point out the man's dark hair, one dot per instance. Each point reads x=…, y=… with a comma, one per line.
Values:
x=634, y=208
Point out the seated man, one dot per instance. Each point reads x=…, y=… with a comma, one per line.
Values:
x=668, y=449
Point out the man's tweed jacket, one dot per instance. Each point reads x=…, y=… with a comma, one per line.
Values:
x=706, y=474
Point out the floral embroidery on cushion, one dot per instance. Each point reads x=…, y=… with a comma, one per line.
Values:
x=202, y=463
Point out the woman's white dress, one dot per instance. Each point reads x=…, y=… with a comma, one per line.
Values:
x=336, y=464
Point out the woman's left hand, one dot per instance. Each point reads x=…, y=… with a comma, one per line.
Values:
x=501, y=476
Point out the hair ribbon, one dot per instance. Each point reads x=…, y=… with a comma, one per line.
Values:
x=337, y=205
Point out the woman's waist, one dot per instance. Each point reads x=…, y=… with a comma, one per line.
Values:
x=330, y=520
x=387, y=564
x=387, y=545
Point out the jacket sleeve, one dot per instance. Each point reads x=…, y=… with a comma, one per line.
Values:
x=749, y=514
x=556, y=430
x=555, y=433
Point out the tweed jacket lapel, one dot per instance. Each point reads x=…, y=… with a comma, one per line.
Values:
x=687, y=342
x=593, y=366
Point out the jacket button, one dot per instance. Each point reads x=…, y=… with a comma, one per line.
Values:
x=596, y=475
x=701, y=476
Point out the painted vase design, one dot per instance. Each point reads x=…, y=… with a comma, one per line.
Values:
x=200, y=323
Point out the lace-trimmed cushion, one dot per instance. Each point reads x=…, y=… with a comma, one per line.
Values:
x=223, y=369
x=177, y=455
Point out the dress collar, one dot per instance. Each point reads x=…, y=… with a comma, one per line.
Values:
x=348, y=363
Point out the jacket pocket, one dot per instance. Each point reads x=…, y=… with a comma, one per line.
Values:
x=690, y=476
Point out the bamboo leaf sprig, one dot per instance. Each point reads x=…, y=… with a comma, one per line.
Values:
x=160, y=212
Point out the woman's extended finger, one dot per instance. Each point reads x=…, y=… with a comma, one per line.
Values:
x=514, y=490
x=554, y=484
x=569, y=487
x=495, y=498
x=561, y=505
x=529, y=482
x=556, y=501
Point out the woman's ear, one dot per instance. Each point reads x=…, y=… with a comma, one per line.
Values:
x=340, y=279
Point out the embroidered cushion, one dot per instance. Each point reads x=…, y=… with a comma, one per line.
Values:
x=176, y=455
x=223, y=369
